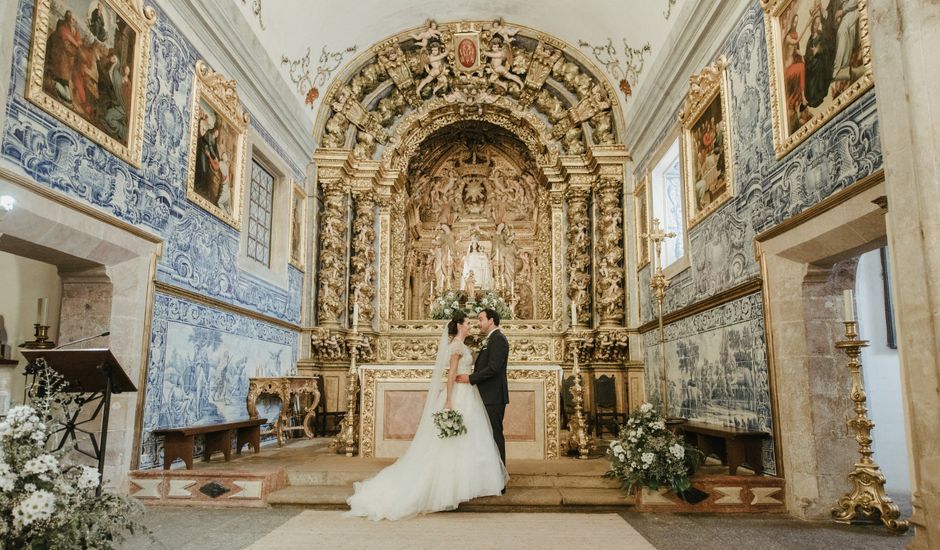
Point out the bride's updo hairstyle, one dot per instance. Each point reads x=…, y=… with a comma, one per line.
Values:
x=458, y=319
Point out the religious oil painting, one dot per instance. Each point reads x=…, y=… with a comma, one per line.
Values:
x=820, y=60
x=706, y=143
x=88, y=68
x=217, y=146
x=297, y=232
x=641, y=200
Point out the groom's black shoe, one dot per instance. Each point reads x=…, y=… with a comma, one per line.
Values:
x=503, y=492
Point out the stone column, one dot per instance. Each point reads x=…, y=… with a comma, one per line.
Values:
x=362, y=277
x=579, y=251
x=610, y=272
x=904, y=41
x=332, y=242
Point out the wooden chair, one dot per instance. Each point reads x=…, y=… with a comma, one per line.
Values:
x=326, y=422
x=606, y=417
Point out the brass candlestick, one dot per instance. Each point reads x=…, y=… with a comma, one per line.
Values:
x=346, y=441
x=658, y=284
x=867, y=501
x=41, y=339
x=578, y=436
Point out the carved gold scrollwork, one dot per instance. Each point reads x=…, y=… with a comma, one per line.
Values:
x=612, y=346
x=579, y=252
x=332, y=271
x=393, y=60
x=361, y=281
x=610, y=273
x=540, y=68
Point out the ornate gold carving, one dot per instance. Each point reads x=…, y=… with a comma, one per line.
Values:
x=610, y=273
x=285, y=387
x=139, y=19
x=612, y=345
x=361, y=283
x=540, y=68
x=332, y=272
x=326, y=344
x=395, y=63
x=704, y=89
x=579, y=253
x=588, y=107
x=346, y=103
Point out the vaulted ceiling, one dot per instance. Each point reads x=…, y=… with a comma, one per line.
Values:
x=310, y=40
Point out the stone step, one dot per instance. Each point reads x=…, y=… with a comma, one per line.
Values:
x=334, y=497
x=321, y=478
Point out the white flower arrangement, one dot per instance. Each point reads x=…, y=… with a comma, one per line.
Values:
x=45, y=500
x=647, y=454
x=452, y=301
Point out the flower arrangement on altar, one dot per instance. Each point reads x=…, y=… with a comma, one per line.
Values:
x=445, y=305
x=45, y=500
x=647, y=454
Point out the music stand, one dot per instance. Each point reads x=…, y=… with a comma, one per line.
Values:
x=95, y=374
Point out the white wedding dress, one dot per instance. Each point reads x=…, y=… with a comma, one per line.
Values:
x=437, y=474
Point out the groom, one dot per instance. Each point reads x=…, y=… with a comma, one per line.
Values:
x=489, y=375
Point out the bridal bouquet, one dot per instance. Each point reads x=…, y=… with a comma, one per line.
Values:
x=449, y=423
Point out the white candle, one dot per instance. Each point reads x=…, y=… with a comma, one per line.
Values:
x=355, y=319
x=42, y=311
x=574, y=313
x=848, y=305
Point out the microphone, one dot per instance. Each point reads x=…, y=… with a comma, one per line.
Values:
x=85, y=339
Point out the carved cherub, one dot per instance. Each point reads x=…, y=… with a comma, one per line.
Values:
x=422, y=38
x=501, y=30
x=500, y=56
x=434, y=68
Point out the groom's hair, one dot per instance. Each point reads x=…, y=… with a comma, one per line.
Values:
x=492, y=315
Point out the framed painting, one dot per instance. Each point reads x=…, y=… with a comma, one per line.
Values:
x=641, y=211
x=88, y=67
x=820, y=62
x=298, y=203
x=217, y=146
x=706, y=142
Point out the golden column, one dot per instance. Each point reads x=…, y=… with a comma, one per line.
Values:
x=362, y=263
x=579, y=254
x=610, y=274
x=867, y=501
x=332, y=269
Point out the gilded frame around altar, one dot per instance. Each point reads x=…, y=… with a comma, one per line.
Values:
x=707, y=166
x=120, y=31
x=811, y=85
x=534, y=390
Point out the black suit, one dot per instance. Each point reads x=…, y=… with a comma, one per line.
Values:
x=489, y=376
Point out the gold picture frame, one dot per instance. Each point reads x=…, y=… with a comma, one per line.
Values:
x=706, y=143
x=641, y=212
x=298, y=232
x=217, y=146
x=820, y=62
x=73, y=39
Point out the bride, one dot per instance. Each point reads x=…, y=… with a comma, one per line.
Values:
x=436, y=473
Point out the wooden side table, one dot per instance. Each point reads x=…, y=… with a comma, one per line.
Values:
x=285, y=388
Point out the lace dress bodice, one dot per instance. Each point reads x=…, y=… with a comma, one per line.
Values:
x=465, y=364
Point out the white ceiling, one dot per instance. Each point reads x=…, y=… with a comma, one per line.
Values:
x=289, y=28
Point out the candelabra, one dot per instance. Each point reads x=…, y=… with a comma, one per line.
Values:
x=347, y=440
x=578, y=436
x=867, y=500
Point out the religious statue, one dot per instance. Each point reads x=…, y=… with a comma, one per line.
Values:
x=470, y=284
x=504, y=252
x=477, y=263
x=434, y=68
x=445, y=256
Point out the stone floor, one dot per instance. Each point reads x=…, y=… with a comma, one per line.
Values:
x=287, y=528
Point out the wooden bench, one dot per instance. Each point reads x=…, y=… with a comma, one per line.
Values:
x=178, y=442
x=733, y=446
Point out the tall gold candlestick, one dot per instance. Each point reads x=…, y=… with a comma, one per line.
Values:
x=578, y=436
x=867, y=500
x=346, y=441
